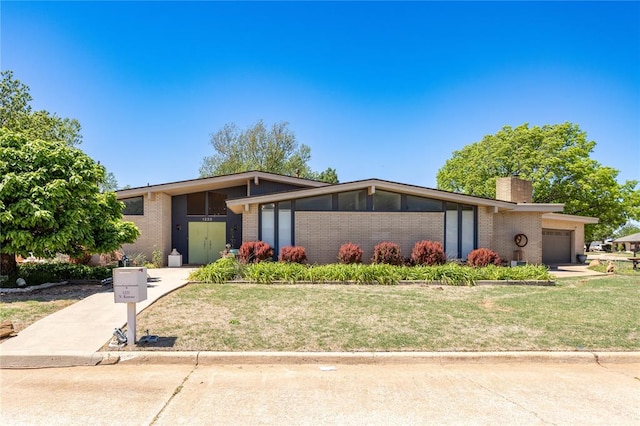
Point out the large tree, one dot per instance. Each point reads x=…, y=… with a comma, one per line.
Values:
x=556, y=158
x=16, y=115
x=50, y=191
x=274, y=150
x=50, y=202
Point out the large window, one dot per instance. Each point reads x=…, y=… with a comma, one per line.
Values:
x=420, y=204
x=206, y=204
x=276, y=225
x=319, y=203
x=133, y=206
x=352, y=200
x=384, y=201
x=460, y=235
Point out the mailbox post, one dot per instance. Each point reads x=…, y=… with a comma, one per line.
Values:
x=130, y=287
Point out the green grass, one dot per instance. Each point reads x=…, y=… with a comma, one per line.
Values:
x=578, y=314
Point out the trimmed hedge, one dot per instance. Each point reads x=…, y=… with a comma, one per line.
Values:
x=483, y=257
x=387, y=252
x=255, y=251
x=294, y=254
x=428, y=253
x=350, y=253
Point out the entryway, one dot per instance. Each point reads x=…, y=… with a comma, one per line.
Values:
x=206, y=241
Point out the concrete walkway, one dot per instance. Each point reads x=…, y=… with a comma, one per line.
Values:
x=73, y=335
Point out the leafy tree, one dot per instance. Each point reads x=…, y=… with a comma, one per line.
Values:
x=16, y=115
x=109, y=183
x=556, y=159
x=627, y=229
x=274, y=150
x=330, y=176
x=50, y=202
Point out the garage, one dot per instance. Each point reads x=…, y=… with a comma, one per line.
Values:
x=556, y=246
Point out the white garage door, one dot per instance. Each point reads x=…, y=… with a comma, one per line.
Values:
x=556, y=246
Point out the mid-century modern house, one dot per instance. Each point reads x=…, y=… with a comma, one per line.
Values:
x=199, y=217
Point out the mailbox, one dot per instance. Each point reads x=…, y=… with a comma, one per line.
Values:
x=130, y=284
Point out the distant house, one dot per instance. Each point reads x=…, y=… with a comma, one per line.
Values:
x=198, y=217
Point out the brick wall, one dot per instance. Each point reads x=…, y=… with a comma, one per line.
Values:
x=507, y=225
x=250, y=224
x=154, y=226
x=514, y=189
x=322, y=233
x=485, y=227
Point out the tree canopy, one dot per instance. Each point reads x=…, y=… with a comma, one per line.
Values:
x=50, y=201
x=274, y=150
x=50, y=191
x=556, y=159
x=16, y=115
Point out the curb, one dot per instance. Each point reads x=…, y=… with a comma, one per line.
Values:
x=380, y=358
x=16, y=361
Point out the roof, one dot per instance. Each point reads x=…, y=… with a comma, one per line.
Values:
x=216, y=182
x=633, y=238
x=371, y=185
x=571, y=218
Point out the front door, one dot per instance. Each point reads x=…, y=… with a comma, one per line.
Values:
x=206, y=241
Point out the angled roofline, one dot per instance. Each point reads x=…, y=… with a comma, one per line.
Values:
x=587, y=220
x=238, y=204
x=222, y=181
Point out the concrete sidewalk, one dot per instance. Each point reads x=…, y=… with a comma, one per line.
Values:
x=72, y=336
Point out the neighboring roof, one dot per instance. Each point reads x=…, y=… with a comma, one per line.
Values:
x=371, y=185
x=571, y=218
x=633, y=238
x=215, y=182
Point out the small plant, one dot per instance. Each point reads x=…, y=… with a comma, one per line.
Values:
x=428, y=253
x=254, y=252
x=483, y=257
x=389, y=253
x=293, y=254
x=350, y=253
x=156, y=257
x=138, y=259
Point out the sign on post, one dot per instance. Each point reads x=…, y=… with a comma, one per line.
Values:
x=130, y=287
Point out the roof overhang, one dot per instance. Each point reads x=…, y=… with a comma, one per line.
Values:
x=216, y=182
x=538, y=208
x=371, y=185
x=586, y=220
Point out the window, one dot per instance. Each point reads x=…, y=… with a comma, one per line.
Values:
x=133, y=206
x=196, y=204
x=217, y=205
x=206, y=204
x=384, y=201
x=319, y=203
x=420, y=204
x=352, y=201
x=268, y=224
x=460, y=236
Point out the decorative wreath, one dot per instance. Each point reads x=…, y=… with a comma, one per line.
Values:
x=521, y=240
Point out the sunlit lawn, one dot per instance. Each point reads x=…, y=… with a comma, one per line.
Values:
x=578, y=314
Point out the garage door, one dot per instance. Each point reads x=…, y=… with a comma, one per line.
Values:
x=556, y=246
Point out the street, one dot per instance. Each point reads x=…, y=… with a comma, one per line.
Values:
x=416, y=393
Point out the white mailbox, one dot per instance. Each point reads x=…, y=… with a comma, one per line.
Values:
x=130, y=284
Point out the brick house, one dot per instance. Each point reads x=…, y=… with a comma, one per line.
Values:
x=198, y=217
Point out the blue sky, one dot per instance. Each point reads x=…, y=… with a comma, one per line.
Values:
x=376, y=89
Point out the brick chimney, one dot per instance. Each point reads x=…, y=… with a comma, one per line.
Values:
x=514, y=189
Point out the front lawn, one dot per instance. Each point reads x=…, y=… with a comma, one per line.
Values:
x=576, y=314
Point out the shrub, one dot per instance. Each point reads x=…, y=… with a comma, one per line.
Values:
x=292, y=254
x=255, y=251
x=483, y=257
x=428, y=253
x=222, y=270
x=350, y=253
x=386, y=252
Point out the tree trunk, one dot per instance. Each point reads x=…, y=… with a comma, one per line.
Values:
x=8, y=265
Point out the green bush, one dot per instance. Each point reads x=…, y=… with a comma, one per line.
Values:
x=227, y=269
x=40, y=273
x=222, y=270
